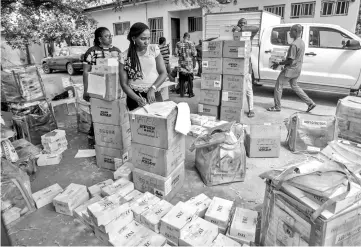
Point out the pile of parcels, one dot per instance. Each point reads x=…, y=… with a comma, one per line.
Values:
x=123, y=216
x=54, y=144
x=225, y=71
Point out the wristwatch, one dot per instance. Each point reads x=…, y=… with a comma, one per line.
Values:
x=155, y=89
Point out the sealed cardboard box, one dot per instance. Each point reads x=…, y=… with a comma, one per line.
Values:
x=158, y=160
x=155, y=130
x=45, y=196
x=124, y=218
x=242, y=36
x=113, y=136
x=135, y=194
x=142, y=204
x=198, y=233
x=109, y=112
x=234, y=83
x=127, y=233
x=125, y=171
x=81, y=210
x=106, y=156
x=173, y=222
x=53, y=136
x=121, y=186
x=236, y=49
x=151, y=218
x=235, y=66
x=210, y=97
x=208, y=110
x=201, y=202
x=163, y=187
x=96, y=189
x=219, y=212
x=222, y=240
x=212, y=65
x=211, y=82
x=212, y=49
x=104, y=86
x=244, y=224
x=264, y=141
x=233, y=99
x=49, y=159
x=198, y=119
x=231, y=113
x=348, y=113
x=73, y=196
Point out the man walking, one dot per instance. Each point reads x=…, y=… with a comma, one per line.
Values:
x=291, y=71
x=243, y=27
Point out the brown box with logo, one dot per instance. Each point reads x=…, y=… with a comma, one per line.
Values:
x=231, y=113
x=234, y=83
x=113, y=136
x=211, y=82
x=235, y=66
x=208, y=110
x=211, y=65
x=105, y=156
x=212, y=48
x=234, y=99
x=210, y=97
x=110, y=82
x=109, y=112
x=236, y=49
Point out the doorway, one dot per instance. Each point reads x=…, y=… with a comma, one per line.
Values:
x=175, y=25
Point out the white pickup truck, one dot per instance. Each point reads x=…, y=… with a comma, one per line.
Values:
x=332, y=61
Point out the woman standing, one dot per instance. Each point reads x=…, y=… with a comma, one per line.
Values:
x=141, y=69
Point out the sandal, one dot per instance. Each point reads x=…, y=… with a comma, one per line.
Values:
x=250, y=114
x=273, y=109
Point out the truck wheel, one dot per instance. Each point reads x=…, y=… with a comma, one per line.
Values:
x=254, y=82
x=46, y=68
x=70, y=69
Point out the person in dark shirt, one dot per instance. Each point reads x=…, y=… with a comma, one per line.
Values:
x=164, y=50
x=199, y=57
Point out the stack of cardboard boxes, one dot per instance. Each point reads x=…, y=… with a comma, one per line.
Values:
x=225, y=67
x=158, y=150
x=109, y=114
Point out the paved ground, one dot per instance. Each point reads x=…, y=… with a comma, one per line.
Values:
x=46, y=227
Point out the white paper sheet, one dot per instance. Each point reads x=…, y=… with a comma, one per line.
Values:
x=96, y=85
x=85, y=153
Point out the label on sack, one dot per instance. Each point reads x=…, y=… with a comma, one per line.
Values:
x=217, y=84
x=200, y=108
x=313, y=149
x=225, y=96
x=313, y=123
x=205, y=64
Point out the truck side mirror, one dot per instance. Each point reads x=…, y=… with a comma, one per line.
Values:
x=353, y=44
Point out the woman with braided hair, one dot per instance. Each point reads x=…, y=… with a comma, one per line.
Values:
x=141, y=68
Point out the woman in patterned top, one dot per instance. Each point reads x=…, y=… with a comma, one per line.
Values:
x=141, y=69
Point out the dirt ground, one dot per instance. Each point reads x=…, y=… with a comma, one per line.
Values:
x=46, y=227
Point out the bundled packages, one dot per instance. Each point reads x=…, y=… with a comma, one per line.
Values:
x=348, y=113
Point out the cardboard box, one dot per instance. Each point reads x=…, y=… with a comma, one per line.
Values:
x=53, y=136
x=212, y=49
x=81, y=211
x=106, y=156
x=263, y=141
x=221, y=240
x=234, y=83
x=121, y=186
x=125, y=171
x=244, y=224
x=198, y=119
x=105, y=112
x=235, y=66
x=348, y=113
x=163, y=187
x=103, y=237
x=108, y=61
x=233, y=99
x=73, y=196
x=10, y=215
x=211, y=82
x=218, y=212
x=105, y=69
x=124, y=218
x=173, y=222
x=212, y=65
x=118, y=162
x=113, y=136
x=142, y=204
x=156, y=131
x=208, y=110
x=96, y=189
x=158, y=160
x=242, y=36
x=236, y=49
x=49, y=159
x=127, y=233
x=151, y=218
x=198, y=233
x=134, y=195
x=104, y=86
x=210, y=97
x=201, y=202
x=45, y=196
x=231, y=113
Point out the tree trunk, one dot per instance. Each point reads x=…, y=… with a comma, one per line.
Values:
x=28, y=59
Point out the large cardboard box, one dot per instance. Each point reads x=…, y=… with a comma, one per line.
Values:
x=264, y=141
x=244, y=224
x=231, y=113
x=233, y=99
x=201, y=202
x=158, y=160
x=143, y=204
x=198, y=233
x=154, y=130
x=73, y=196
x=134, y=195
x=105, y=112
x=163, y=187
x=219, y=213
x=235, y=66
x=125, y=217
x=208, y=110
x=121, y=187
x=211, y=82
x=212, y=49
x=113, y=136
x=348, y=113
x=104, y=86
x=151, y=218
x=125, y=171
x=96, y=189
x=81, y=210
x=45, y=196
x=234, y=83
x=222, y=240
x=236, y=49
x=105, y=156
x=212, y=65
x=210, y=97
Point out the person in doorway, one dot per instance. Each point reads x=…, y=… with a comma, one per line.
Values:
x=291, y=71
x=185, y=51
x=102, y=48
x=164, y=50
x=243, y=27
x=141, y=69
x=199, y=57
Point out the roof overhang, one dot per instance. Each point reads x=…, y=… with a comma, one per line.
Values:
x=126, y=3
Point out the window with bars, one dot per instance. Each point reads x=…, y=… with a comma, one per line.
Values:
x=327, y=8
x=330, y=8
x=341, y=8
x=301, y=10
x=194, y=24
x=121, y=28
x=276, y=9
x=156, y=29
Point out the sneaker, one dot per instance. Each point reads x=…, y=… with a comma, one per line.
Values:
x=311, y=107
